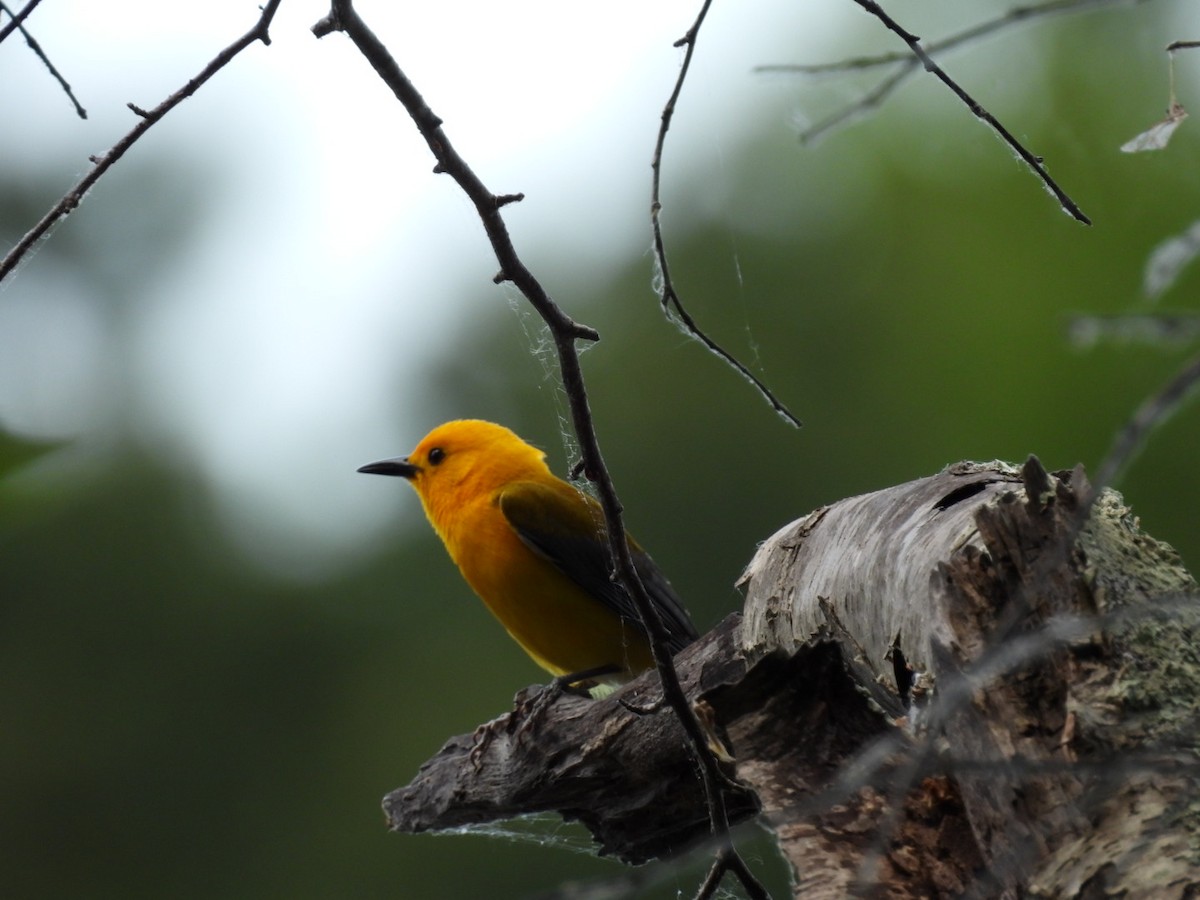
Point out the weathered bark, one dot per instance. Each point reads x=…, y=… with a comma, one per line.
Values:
x=941, y=688
x=620, y=765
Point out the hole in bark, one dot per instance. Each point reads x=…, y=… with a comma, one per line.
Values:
x=960, y=494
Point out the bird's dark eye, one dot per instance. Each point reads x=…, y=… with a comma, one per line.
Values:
x=436, y=455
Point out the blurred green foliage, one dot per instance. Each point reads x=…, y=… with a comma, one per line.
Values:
x=176, y=723
x=15, y=452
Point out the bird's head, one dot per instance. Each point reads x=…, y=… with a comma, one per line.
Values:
x=463, y=458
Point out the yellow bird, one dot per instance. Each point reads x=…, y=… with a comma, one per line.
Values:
x=534, y=549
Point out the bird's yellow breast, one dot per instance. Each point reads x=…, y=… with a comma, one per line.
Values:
x=562, y=627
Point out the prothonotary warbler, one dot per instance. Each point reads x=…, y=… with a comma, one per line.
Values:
x=534, y=549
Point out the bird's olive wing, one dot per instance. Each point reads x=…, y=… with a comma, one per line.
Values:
x=566, y=528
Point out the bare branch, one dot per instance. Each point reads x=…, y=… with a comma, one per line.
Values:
x=1155, y=410
x=669, y=297
x=1034, y=162
x=613, y=764
x=1015, y=16
x=18, y=18
x=566, y=332
x=867, y=102
x=72, y=199
x=37, y=49
x=1145, y=328
x=729, y=861
x=343, y=17
x=909, y=65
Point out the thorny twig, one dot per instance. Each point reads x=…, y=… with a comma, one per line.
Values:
x=566, y=332
x=148, y=118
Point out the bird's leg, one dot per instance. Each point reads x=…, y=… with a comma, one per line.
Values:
x=575, y=683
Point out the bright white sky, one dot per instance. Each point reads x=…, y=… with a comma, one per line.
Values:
x=273, y=350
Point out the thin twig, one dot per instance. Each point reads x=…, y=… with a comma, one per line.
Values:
x=41, y=54
x=669, y=297
x=566, y=332
x=18, y=19
x=1154, y=410
x=343, y=17
x=1156, y=329
x=148, y=118
x=874, y=98
x=909, y=65
x=1034, y=162
x=1015, y=16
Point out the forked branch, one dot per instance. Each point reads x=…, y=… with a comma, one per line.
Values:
x=147, y=120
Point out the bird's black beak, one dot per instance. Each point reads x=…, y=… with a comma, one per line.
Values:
x=398, y=466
